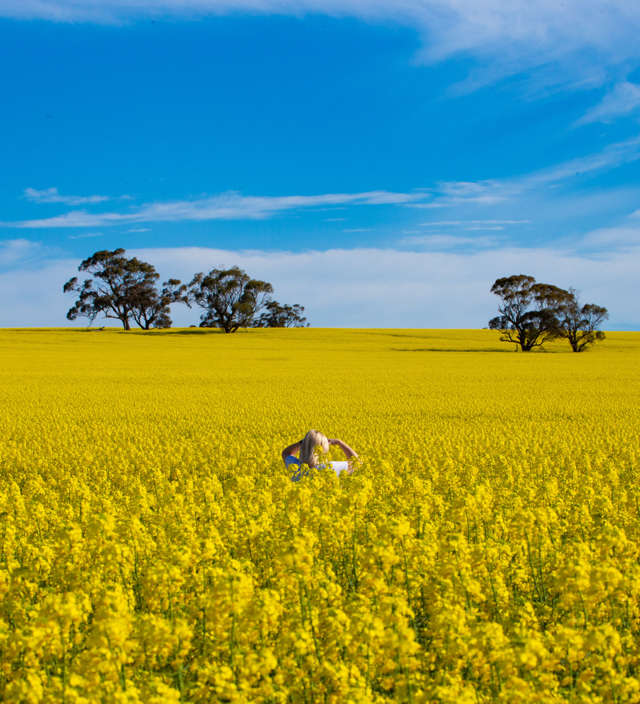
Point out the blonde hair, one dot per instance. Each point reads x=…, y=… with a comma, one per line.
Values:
x=311, y=440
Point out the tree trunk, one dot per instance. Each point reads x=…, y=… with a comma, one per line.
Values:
x=125, y=324
x=523, y=340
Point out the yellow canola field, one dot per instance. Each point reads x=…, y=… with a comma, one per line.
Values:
x=153, y=548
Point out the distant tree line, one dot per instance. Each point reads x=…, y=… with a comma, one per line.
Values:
x=532, y=313
x=126, y=289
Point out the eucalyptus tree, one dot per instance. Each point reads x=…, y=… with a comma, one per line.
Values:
x=122, y=288
x=277, y=315
x=529, y=312
x=230, y=298
x=150, y=307
x=579, y=324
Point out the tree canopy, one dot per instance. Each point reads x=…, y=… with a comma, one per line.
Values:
x=150, y=308
x=579, y=324
x=122, y=288
x=231, y=299
x=277, y=315
x=527, y=314
x=126, y=289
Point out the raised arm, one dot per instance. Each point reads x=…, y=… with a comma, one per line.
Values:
x=291, y=450
x=349, y=452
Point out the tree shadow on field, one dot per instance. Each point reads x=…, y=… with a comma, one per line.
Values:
x=454, y=349
x=393, y=334
x=196, y=331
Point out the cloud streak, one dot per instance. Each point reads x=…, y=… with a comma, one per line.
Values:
x=85, y=235
x=624, y=99
x=52, y=195
x=490, y=193
x=493, y=192
x=621, y=238
x=467, y=224
x=448, y=242
x=228, y=206
x=17, y=250
x=20, y=252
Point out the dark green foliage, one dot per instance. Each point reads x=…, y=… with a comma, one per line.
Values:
x=531, y=313
x=528, y=313
x=150, y=307
x=276, y=315
x=231, y=299
x=579, y=324
x=123, y=288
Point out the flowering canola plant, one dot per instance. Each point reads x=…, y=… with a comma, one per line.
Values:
x=153, y=548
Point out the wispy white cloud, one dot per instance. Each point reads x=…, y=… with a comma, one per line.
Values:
x=52, y=195
x=624, y=99
x=499, y=191
x=437, y=241
x=481, y=193
x=467, y=224
x=463, y=197
x=228, y=206
x=357, y=229
x=20, y=253
x=486, y=192
x=579, y=37
x=85, y=235
x=612, y=156
x=620, y=238
x=549, y=188
x=17, y=250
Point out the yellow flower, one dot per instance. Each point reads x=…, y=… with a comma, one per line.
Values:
x=153, y=548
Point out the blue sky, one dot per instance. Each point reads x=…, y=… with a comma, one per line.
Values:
x=373, y=159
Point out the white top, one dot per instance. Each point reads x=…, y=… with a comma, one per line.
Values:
x=337, y=467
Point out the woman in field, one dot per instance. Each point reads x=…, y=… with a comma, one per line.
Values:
x=309, y=449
